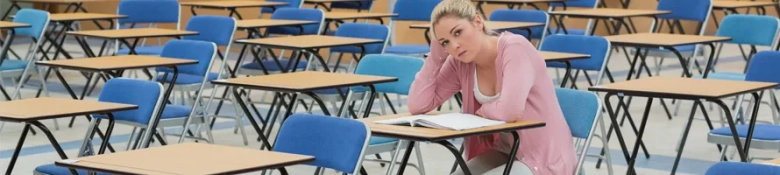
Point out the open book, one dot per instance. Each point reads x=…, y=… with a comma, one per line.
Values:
x=451, y=121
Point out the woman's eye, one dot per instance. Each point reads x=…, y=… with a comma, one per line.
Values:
x=444, y=43
x=457, y=33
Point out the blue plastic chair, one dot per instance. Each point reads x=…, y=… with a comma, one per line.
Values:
x=147, y=95
x=340, y=143
x=582, y=110
x=363, y=5
x=20, y=68
x=176, y=115
x=690, y=10
x=147, y=13
x=578, y=3
x=511, y=15
x=755, y=30
x=731, y=168
x=597, y=47
x=306, y=14
x=360, y=30
x=290, y=4
x=411, y=10
x=762, y=68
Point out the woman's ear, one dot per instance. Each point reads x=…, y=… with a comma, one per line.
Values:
x=479, y=22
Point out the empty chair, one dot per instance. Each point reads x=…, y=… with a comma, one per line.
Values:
x=147, y=13
x=537, y=16
x=340, y=143
x=730, y=168
x=599, y=49
x=582, y=110
x=147, y=95
x=411, y=10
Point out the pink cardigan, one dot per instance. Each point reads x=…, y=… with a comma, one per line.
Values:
x=527, y=92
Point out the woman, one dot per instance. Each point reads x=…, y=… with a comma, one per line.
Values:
x=502, y=77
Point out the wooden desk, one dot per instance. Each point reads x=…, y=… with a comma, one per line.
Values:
x=687, y=89
x=189, y=158
x=669, y=42
x=733, y=5
x=441, y=136
x=775, y=162
x=76, y=3
x=124, y=34
x=494, y=25
x=341, y=16
x=231, y=5
x=263, y=23
x=9, y=25
x=58, y=17
x=304, y=82
x=511, y=4
x=608, y=13
x=565, y=58
x=309, y=43
x=322, y=3
x=30, y=111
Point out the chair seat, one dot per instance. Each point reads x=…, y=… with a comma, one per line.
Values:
x=761, y=132
x=270, y=65
x=142, y=50
x=188, y=78
x=568, y=31
x=724, y=76
x=51, y=169
x=176, y=111
x=9, y=64
x=408, y=49
x=380, y=140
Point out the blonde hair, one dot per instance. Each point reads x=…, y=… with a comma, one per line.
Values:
x=460, y=8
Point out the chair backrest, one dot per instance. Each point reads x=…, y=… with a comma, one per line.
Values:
x=216, y=29
x=146, y=94
x=362, y=5
x=750, y=29
x=523, y=16
x=405, y=68
x=596, y=46
x=581, y=109
x=149, y=11
x=202, y=51
x=290, y=4
x=307, y=14
x=763, y=67
x=414, y=10
x=363, y=30
x=693, y=10
x=730, y=168
x=336, y=143
x=578, y=3
x=37, y=19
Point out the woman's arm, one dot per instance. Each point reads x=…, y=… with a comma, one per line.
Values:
x=436, y=82
x=518, y=78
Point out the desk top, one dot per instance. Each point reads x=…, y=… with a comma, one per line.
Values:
x=121, y=62
x=32, y=109
x=307, y=41
x=494, y=25
x=132, y=33
x=8, y=24
x=186, y=158
x=327, y=1
x=730, y=4
x=560, y=56
x=356, y=15
x=775, y=162
x=57, y=17
x=430, y=134
x=262, y=23
x=232, y=4
x=683, y=88
x=305, y=81
x=662, y=39
x=62, y=1
x=518, y=1
x=608, y=13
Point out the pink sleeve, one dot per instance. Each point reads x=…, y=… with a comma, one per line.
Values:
x=518, y=79
x=436, y=82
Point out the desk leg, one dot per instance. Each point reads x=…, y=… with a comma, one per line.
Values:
x=405, y=158
x=615, y=126
x=459, y=157
x=638, y=141
x=259, y=131
x=743, y=151
x=566, y=74
x=152, y=129
x=18, y=149
x=681, y=146
x=513, y=153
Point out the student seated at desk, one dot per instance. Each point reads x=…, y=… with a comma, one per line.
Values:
x=502, y=77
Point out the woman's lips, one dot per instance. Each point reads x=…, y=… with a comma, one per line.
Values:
x=461, y=53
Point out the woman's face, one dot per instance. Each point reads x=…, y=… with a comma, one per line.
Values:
x=459, y=37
